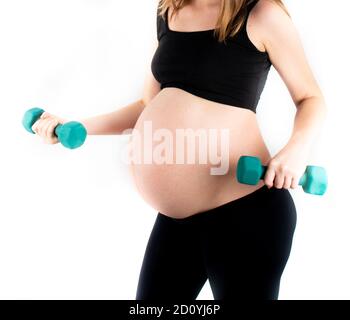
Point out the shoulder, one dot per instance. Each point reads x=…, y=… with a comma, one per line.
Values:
x=268, y=11
x=267, y=14
x=271, y=21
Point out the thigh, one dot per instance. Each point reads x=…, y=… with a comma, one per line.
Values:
x=172, y=266
x=250, y=244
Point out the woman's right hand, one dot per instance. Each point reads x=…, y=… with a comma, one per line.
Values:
x=45, y=127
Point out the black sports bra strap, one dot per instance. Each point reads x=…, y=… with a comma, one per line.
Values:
x=161, y=26
x=250, y=6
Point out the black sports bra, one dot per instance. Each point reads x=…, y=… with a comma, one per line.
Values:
x=234, y=73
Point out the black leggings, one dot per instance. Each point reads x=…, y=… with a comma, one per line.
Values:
x=241, y=246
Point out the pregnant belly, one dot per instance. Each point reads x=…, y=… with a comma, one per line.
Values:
x=184, y=151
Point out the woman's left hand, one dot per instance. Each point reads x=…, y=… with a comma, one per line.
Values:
x=285, y=169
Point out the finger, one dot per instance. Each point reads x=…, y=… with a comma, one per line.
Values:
x=51, y=140
x=47, y=128
x=54, y=125
x=45, y=115
x=287, y=181
x=44, y=127
x=279, y=180
x=269, y=176
x=50, y=137
x=39, y=129
x=295, y=183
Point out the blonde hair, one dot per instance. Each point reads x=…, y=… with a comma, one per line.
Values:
x=231, y=17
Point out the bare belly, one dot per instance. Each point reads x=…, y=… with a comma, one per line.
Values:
x=173, y=170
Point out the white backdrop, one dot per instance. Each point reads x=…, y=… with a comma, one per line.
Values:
x=72, y=225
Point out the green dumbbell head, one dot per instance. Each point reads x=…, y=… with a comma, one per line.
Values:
x=314, y=180
x=250, y=171
x=30, y=117
x=71, y=134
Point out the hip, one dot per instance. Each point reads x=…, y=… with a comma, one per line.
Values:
x=268, y=209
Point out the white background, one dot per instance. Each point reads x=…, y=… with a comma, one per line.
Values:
x=72, y=225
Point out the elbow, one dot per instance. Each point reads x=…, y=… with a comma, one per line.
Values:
x=146, y=100
x=316, y=100
x=142, y=101
x=321, y=105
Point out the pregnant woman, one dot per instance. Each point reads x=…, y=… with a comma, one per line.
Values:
x=208, y=71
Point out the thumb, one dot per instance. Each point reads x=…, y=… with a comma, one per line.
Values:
x=269, y=176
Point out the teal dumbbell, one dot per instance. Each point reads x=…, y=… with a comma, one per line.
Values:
x=71, y=134
x=250, y=171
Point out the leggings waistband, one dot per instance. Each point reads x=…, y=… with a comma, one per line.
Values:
x=224, y=207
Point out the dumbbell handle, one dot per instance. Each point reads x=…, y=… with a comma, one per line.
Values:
x=58, y=130
x=301, y=182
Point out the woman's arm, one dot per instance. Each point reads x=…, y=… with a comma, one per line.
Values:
x=114, y=122
x=281, y=40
